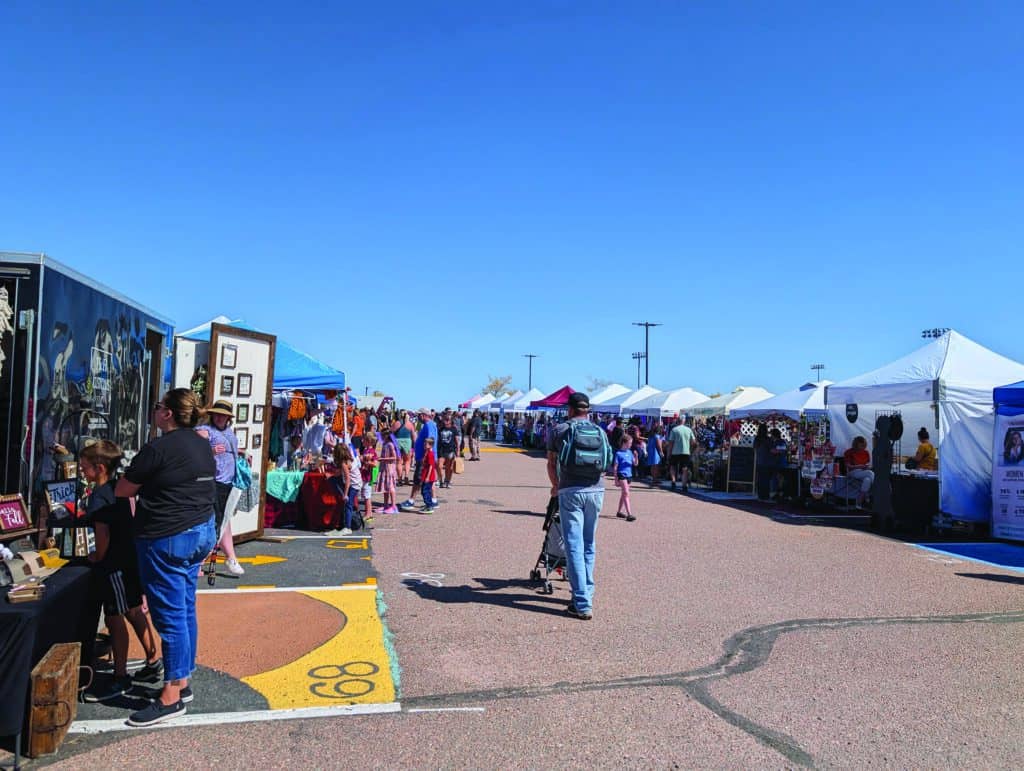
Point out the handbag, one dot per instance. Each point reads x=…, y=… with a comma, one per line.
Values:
x=243, y=474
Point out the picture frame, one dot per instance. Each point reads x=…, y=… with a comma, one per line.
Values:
x=257, y=441
x=257, y=413
x=244, y=384
x=242, y=435
x=241, y=413
x=69, y=469
x=13, y=512
x=227, y=385
x=228, y=356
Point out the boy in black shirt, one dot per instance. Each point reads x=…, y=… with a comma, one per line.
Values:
x=117, y=569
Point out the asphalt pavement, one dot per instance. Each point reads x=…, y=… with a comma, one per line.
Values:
x=722, y=638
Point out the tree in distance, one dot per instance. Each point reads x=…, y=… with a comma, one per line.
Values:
x=496, y=385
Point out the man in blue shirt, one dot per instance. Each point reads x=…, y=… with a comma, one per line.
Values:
x=427, y=429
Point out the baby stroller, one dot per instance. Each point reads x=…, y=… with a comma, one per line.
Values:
x=552, y=553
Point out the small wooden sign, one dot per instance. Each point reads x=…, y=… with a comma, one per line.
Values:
x=13, y=514
x=61, y=493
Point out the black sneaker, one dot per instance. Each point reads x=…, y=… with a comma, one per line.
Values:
x=156, y=713
x=630, y=518
x=150, y=673
x=111, y=690
x=585, y=615
x=186, y=695
x=620, y=515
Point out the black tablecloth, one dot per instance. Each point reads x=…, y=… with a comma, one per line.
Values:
x=915, y=501
x=68, y=612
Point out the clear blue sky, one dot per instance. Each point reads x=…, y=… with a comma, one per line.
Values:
x=419, y=193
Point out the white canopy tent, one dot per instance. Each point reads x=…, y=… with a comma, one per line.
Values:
x=616, y=405
x=480, y=402
x=505, y=402
x=665, y=404
x=520, y=404
x=608, y=392
x=807, y=400
x=945, y=386
x=741, y=396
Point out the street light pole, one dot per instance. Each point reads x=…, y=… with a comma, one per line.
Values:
x=647, y=347
x=818, y=368
x=531, y=357
x=638, y=355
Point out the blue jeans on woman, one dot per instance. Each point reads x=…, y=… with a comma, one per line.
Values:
x=168, y=568
x=578, y=510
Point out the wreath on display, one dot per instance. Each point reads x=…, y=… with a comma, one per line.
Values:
x=198, y=382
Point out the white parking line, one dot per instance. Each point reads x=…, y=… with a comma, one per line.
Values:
x=221, y=718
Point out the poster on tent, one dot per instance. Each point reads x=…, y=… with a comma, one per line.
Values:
x=1008, y=478
x=240, y=370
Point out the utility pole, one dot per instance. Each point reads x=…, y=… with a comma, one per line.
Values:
x=818, y=368
x=647, y=347
x=638, y=355
x=531, y=357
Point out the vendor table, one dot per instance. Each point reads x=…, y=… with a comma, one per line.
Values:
x=68, y=612
x=320, y=500
x=915, y=499
x=282, y=502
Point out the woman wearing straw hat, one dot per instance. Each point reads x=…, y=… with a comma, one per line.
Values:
x=224, y=444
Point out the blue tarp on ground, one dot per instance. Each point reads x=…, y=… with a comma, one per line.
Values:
x=293, y=369
x=1000, y=555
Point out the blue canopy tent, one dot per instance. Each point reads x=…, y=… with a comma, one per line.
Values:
x=293, y=369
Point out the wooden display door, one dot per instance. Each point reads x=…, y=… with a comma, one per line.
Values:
x=241, y=370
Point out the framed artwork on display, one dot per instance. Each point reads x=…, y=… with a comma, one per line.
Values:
x=242, y=413
x=257, y=413
x=242, y=434
x=13, y=514
x=257, y=441
x=244, y=384
x=228, y=356
x=227, y=385
x=69, y=469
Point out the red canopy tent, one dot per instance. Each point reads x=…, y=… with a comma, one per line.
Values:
x=559, y=398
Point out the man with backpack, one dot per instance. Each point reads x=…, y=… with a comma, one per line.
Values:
x=578, y=455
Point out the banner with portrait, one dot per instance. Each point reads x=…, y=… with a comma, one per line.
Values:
x=1008, y=478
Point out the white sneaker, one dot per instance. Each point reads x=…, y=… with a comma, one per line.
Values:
x=234, y=568
x=345, y=531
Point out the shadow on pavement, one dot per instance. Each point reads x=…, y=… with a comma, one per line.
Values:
x=519, y=512
x=1019, y=580
x=482, y=594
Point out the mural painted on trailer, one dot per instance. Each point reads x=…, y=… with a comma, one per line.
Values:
x=92, y=346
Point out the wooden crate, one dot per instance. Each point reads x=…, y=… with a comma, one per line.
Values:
x=54, y=698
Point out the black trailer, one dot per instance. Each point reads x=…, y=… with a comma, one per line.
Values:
x=76, y=358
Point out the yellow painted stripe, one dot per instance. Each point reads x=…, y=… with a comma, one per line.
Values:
x=351, y=668
x=501, y=449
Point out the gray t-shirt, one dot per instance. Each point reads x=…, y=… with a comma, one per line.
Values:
x=556, y=438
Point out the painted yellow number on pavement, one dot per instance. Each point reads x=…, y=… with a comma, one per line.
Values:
x=350, y=668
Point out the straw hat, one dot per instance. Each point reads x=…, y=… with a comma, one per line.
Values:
x=222, y=407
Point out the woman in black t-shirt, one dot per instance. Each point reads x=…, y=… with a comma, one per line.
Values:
x=173, y=477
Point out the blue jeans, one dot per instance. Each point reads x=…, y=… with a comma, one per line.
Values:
x=578, y=511
x=168, y=568
x=428, y=494
x=350, y=506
